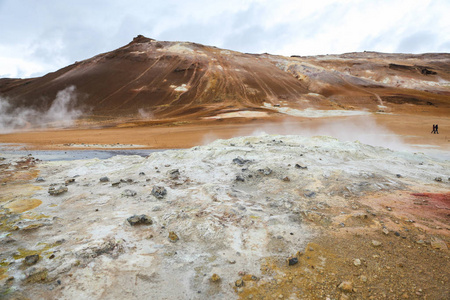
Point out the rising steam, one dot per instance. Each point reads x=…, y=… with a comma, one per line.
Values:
x=62, y=113
x=363, y=129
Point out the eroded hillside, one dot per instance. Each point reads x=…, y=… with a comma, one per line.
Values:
x=154, y=80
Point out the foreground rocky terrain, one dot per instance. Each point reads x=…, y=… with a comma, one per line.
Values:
x=262, y=217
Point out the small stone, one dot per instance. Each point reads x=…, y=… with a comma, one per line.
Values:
x=376, y=243
x=115, y=183
x=174, y=174
x=385, y=231
x=363, y=278
x=239, y=283
x=129, y=193
x=439, y=244
x=286, y=179
x=300, y=167
x=399, y=175
x=396, y=233
x=215, y=277
x=54, y=192
x=438, y=179
x=104, y=179
x=141, y=174
x=231, y=261
x=159, y=192
x=140, y=220
x=292, y=261
x=357, y=262
x=40, y=179
x=69, y=181
x=420, y=242
x=265, y=171
x=173, y=237
x=240, y=161
x=240, y=178
x=310, y=194
x=31, y=259
x=346, y=286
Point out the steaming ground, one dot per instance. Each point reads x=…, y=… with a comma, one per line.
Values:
x=61, y=113
x=347, y=215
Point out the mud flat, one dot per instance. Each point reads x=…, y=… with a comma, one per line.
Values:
x=395, y=131
x=263, y=217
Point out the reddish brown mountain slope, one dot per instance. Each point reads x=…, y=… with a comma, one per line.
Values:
x=186, y=80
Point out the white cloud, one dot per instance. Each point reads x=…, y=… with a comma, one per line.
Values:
x=49, y=34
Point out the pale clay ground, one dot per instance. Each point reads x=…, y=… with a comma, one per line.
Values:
x=228, y=216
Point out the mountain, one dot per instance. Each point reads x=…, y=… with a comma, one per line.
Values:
x=180, y=80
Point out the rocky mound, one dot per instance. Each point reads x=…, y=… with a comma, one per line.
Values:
x=251, y=217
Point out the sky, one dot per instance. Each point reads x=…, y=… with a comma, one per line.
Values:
x=42, y=36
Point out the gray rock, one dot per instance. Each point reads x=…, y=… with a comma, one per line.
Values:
x=140, y=220
x=301, y=167
x=159, y=192
x=129, y=193
x=265, y=171
x=310, y=194
x=240, y=178
x=141, y=174
x=240, y=161
x=438, y=179
x=174, y=174
x=292, y=261
x=57, y=191
x=31, y=259
x=40, y=179
x=104, y=179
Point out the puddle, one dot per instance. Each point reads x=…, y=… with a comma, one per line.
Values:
x=54, y=155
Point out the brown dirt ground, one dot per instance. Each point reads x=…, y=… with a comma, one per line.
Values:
x=412, y=129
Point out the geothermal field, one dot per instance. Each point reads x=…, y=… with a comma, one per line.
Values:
x=166, y=170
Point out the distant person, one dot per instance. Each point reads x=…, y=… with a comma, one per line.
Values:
x=437, y=129
x=434, y=129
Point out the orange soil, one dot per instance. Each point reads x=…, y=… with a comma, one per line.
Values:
x=412, y=129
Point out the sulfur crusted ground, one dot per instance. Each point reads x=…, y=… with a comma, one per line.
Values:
x=363, y=222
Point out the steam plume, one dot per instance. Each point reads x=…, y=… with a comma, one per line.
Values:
x=60, y=114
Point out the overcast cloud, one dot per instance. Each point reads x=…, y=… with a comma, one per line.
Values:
x=37, y=37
